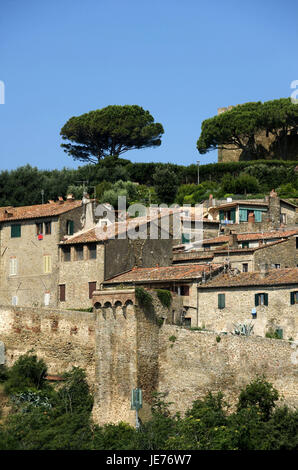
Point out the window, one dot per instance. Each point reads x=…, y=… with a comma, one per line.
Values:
x=13, y=266
x=294, y=297
x=245, y=267
x=277, y=266
x=92, y=288
x=187, y=322
x=184, y=290
x=47, y=297
x=261, y=299
x=297, y=243
x=15, y=230
x=69, y=227
x=66, y=253
x=39, y=229
x=92, y=251
x=47, y=264
x=245, y=244
x=48, y=228
x=14, y=300
x=79, y=252
x=221, y=301
x=283, y=218
x=62, y=296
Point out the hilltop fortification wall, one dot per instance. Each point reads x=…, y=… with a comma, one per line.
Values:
x=121, y=346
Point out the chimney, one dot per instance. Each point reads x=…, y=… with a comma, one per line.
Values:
x=60, y=200
x=50, y=201
x=251, y=220
x=274, y=209
x=273, y=193
x=70, y=197
x=233, y=242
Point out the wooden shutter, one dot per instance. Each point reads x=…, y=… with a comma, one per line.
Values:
x=221, y=301
x=13, y=266
x=47, y=263
x=256, y=300
x=70, y=227
x=92, y=288
x=15, y=231
x=292, y=298
x=233, y=215
x=62, y=292
x=265, y=299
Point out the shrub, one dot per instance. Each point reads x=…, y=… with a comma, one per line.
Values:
x=165, y=297
x=143, y=297
x=27, y=372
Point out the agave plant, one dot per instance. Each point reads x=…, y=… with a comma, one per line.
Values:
x=244, y=329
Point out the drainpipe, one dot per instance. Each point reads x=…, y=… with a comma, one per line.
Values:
x=197, y=303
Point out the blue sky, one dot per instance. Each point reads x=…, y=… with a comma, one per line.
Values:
x=181, y=60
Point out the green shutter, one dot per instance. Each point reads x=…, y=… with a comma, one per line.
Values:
x=292, y=297
x=15, y=231
x=265, y=299
x=221, y=300
x=70, y=227
x=243, y=215
x=221, y=215
x=258, y=216
x=233, y=215
x=256, y=300
x=185, y=238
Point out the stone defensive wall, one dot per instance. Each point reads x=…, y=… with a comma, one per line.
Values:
x=122, y=346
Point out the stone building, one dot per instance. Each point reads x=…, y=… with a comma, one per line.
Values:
x=246, y=252
x=29, y=240
x=252, y=216
x=267, y=299
x=182, y=280
x=88, y=258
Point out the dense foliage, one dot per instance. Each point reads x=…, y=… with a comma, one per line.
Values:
x=165, y=297
x=110, y=131
x=241, y=125
x=23, y=186
x=44, y=417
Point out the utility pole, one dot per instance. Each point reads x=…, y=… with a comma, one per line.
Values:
x=198, y=162
x=42, y=196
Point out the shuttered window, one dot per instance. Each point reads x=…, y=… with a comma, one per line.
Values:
x=15, y=230
x=47, y=264
x=92, y=251
x=62, y=295
x=294, y=297
x=92, y=288
x=13, y=266
x=233, y=215
x=69, y=227
x=261, y=299
x=221, y=301
x=79, y=252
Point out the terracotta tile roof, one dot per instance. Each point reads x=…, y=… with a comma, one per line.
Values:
x=8, y=214
x=99, y=234
x=241, y=203
x=252, y=236
x=165, y=273
x=274, y=277
x=177, y=255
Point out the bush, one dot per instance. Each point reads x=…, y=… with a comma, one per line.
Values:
x=27, y=372
x=165, y=297
x=143, y=297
